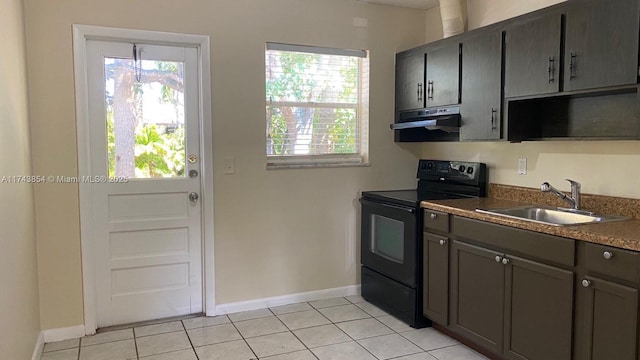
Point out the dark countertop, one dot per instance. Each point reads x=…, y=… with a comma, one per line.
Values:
x=622, y=234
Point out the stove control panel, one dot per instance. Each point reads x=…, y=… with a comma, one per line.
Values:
x=452, y=171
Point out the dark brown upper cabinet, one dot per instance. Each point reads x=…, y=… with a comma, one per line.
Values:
x=481, y=86
x=532, y=59
x=443, y=75
x=568, y=71
x=410, y=89
x=601, y=44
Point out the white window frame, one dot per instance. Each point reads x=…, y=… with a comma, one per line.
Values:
x=361, y=158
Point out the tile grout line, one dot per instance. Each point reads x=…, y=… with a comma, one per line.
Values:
x=135, y=343
x=296, y=336
x=242, y=336
x=193, y=348
x=354, y=340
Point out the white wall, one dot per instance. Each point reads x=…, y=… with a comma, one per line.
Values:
x=590, y=162
x=19, y=311
x=277, y=232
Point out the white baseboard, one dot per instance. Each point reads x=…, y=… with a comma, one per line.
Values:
x=286, y=299
x=37, y=350
x=60, y=334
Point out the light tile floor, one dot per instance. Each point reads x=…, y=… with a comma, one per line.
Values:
x=334, y=329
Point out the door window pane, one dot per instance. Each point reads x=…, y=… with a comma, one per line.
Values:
x=387, y=238
x=145, y=118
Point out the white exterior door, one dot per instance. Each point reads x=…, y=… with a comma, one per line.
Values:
x=145, y=163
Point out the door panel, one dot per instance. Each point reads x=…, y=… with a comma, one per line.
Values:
x=611, y=317
x=539, y=308
x=436, y=278
x=389, y=241
x=477, y=295
x=532, y=59
x=481, y=87
x=601, y=44
x=443, y=76
x=410, y=90
x=147, y=231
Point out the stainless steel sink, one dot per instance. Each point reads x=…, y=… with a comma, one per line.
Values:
x=556, y=217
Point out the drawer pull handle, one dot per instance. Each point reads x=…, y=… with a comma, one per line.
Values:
x=442, y=242
x=498, y=258
x=586, y=283
x=433, y=216
x=607, y=255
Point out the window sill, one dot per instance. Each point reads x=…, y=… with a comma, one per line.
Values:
x=294, y=165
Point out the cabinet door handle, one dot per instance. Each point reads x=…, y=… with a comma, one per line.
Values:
x=586, y=283
x=607, y=255
x=433, y=216
x=573, y=64
x=494, y=120
x=430, y=90
x=498, y=258
x=505, y=261
x=442, y=241
x=552, y=69
x=419, y=92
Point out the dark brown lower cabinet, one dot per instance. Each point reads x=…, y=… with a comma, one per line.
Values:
x=610, y=314
x=538, y=311
x=435, y=298
x=477, y=295
x=514, y=307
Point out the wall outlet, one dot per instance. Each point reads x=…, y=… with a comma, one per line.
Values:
x=229, y=165
x=522, y=166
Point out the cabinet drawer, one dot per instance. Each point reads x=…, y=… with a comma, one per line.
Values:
x=611, y=261
x=436, y=220
x=527, y=243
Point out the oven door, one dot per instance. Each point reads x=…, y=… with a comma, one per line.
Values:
x=389, y=244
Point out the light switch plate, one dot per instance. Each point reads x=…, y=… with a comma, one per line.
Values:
x=229, y=165
x=522, y=166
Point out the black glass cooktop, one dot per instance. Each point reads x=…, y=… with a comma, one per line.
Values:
x=411, y=198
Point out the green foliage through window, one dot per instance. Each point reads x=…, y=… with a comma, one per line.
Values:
x=312, y=103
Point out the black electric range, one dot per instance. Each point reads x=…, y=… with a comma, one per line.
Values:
x=391, y=234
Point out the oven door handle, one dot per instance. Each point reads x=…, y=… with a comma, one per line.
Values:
x=395, y=207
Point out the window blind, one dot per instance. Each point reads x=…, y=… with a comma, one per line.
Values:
x=315, y=102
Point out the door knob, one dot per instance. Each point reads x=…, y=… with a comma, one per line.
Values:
x=607, y=255
x=442, y=242
x=586, y=283
x=193, y=197
x=498, y=258
x=433, y=216
x=505, y=261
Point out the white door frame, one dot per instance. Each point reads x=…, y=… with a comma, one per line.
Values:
x=81, y=34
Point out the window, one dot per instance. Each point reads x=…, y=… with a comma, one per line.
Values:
x=316, y=106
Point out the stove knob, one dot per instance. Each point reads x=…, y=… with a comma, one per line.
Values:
x=462, y=168
x=470, y=170
x=429, y=165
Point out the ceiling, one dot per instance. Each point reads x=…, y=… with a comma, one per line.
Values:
x=416, y=4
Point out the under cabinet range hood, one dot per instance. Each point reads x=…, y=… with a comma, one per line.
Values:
x=444, y=119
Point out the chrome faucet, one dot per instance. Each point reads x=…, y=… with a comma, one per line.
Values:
x=573, y=200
